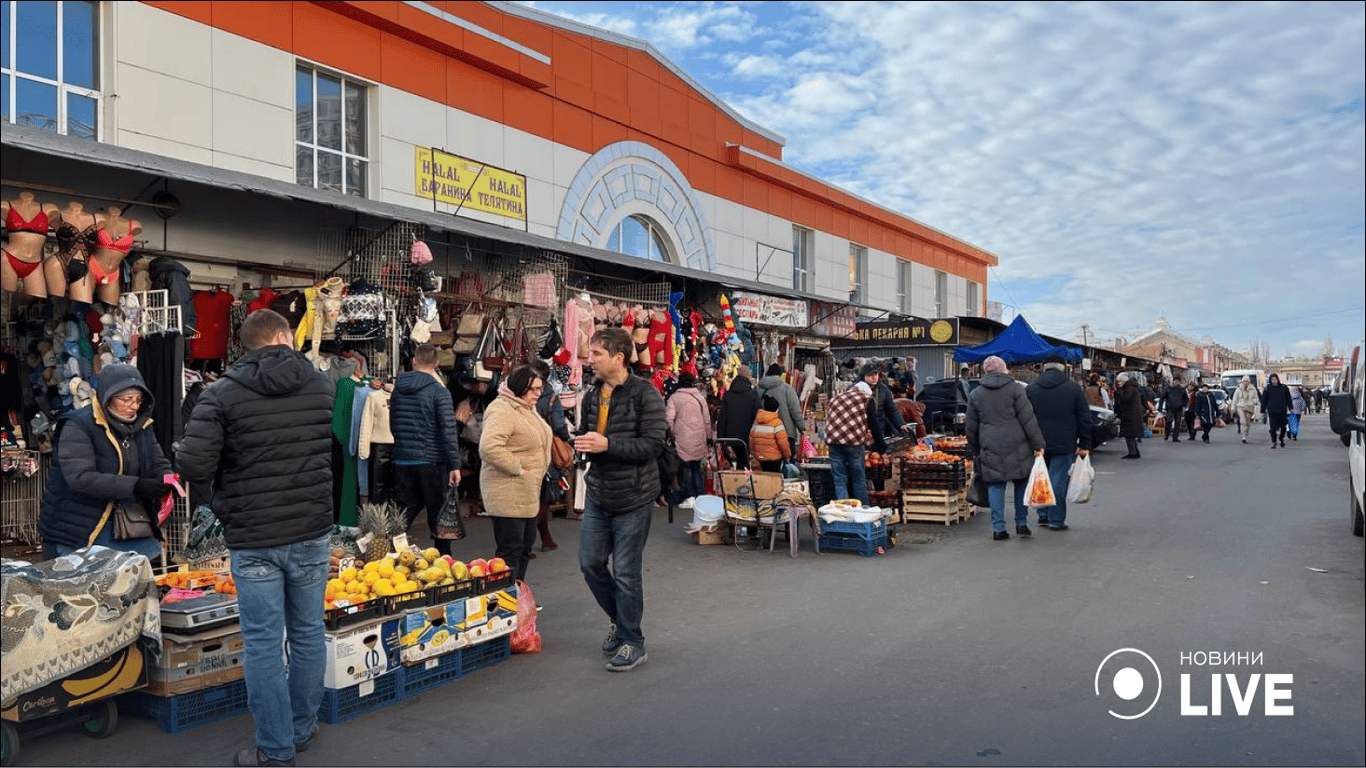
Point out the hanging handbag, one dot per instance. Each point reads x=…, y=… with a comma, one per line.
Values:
x=469, y=330
x=554, y=340
x=132, y=522
x=561, y=453
x=494, y=351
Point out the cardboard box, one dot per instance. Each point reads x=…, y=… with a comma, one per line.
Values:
x=485, y=617
x=360, y=653
x=708, y=536
x=122, y=671
x=186, y=663
x=429, y=632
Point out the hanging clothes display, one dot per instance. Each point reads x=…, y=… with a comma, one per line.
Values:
x=212, y=309
x=344, y=487
x=161, y=363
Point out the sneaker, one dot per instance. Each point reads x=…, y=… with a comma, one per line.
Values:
x=1022, y=531
x=302, y=746
x=1205, y=438
x=254, y=756
x=1273, y=445
x=627, y=658
x=611, y=643
x=687, y=503
x=1245, y=441
x=999, y=535
x=1043, y=522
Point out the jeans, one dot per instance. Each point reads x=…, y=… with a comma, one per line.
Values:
x=1059, y=464
x=280, y=594
x=513, y=538
x=846, y=472
x=996, y=493
x=689, y=481
x=620, y=590
x=1174, y=423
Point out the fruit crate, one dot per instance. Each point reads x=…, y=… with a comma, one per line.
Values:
x=932, y=474
x=345, y=616
x=177, y=714
x=865, y=531
x=342, y=704
x=440, y=595
x=484, y=655
x=821, y=487
x=845, y=542
x=494, y=582
x=433, y=673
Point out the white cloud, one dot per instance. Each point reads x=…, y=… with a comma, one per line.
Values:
x=1100, y=149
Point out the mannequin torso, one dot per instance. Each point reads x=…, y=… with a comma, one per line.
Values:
x=26, y=224
x=68, y=272
x=115, y=240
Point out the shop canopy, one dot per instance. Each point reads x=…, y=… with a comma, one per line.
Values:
x=1018, y=343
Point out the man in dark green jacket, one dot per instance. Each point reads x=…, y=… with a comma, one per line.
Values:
x=622, y=435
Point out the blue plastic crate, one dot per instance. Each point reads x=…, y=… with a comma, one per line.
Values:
x=495, y=651
x=432, y=673
x=865, y=531
x=340, y=705
x=176, y=714
x=843, y=542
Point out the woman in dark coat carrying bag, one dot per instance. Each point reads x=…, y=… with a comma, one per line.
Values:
x=1130, y=409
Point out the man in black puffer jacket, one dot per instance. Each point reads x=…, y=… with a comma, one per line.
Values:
x=426, y=441
x=262, y=436
x=622, y=432
x=1064, y=417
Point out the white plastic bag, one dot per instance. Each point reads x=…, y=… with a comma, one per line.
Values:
x=1082, y=482
x=1040, y=488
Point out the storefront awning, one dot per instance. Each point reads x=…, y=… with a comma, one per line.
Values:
x=27, y=138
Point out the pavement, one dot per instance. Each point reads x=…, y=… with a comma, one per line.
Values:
x=950, y=649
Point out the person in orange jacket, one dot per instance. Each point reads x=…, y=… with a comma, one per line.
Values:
x=768, y=442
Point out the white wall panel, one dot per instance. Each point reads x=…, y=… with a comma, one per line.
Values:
x=161, y=41
x=252, y=129
x=248, y=68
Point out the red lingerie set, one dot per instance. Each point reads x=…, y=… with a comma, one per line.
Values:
x=122, y=245
x=14, y=222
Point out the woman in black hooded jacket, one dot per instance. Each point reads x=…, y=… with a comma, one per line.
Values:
x=738, y=409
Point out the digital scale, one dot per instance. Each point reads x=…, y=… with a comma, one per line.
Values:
x=197, y=613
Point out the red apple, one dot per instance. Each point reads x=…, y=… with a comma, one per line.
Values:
x=476, y=570
x=497, y=565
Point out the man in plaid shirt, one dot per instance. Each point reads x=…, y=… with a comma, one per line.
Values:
x=847, y=431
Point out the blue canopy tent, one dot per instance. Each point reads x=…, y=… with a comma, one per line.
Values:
x=1018, y=343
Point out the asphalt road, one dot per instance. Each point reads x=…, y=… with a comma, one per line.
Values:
x=953, y=650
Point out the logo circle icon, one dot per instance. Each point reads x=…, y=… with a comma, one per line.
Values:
x=941, y=331
x=1128, y=682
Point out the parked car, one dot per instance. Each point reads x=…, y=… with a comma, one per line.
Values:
x=946, y=405
x=1347, y=417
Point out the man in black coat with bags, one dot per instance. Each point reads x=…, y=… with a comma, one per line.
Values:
x=1065, y=419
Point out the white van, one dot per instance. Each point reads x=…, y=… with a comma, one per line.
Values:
x=1347, y=415
x=1229, y=380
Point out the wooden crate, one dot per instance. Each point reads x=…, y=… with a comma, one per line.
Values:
x=932, y=505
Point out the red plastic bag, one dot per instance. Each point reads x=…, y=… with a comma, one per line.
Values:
x=525, y=638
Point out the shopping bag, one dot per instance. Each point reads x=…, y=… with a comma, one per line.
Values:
x=580, y=489
x=1082, y=480
x=1040, y=487
x=525, y=638
x=977, y=492
x=449, y=524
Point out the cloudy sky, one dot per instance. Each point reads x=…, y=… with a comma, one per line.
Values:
x=1201, y=161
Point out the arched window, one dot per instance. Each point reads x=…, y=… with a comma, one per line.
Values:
x=638, y=236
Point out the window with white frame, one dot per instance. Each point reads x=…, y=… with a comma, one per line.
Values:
x=803, y=244
x=639, y=236
x=904, y=288
x=50, y=66
x=330, y=136
x=858, y=273
x=941, y=293
x=974, y=301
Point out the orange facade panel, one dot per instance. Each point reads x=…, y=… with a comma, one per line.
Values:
x=531, y=108
x=337, y=41
x=572, y=126
x=264, y=22
x=422, y=68
x=474, y=91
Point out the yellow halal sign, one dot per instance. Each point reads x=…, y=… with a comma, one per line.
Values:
x=469, y=184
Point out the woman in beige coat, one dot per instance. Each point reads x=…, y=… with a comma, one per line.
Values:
x=515, y=449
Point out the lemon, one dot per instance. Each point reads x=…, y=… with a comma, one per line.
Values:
x=350, y=574
x=385, y=569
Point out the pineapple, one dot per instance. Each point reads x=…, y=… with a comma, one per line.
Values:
x=382, y=522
